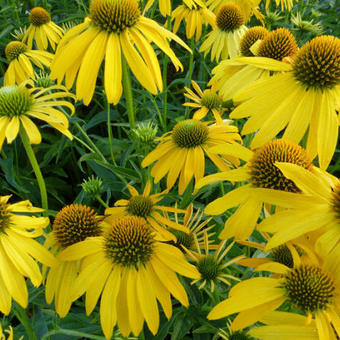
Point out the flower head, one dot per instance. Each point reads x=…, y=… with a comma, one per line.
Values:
x=114, y=30
x=181, y=152
x=42, y=30
x=21, y=58
x=250, y=38
x=18, y=104
x=133, y=269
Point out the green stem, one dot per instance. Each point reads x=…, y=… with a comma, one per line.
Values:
x=109, y=132
x=36, y=169
x=79, y=335
x=20, y=313
x=99, y=199
x=128, y=93
x=191, y=67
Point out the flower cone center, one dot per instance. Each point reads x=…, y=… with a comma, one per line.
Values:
x=282, y=254
x=183, y=239
x=211, y=101
x=14, y=49
x=140, y=206
x=74, y=223
x=130, y=242
x=264, y=173
x=249, y=39
x=317, y=65
x=336, y=201
x=208, y=267
x=39, y=16
x=229, y=17
x=278, y=45
x=14, y=101
x=190, y=134
x=309, y=288
x=114, y=15
x=5, y=216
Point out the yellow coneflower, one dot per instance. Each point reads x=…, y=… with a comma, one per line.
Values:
x=146, y=206
x=304, y=98
x=284, y=325
x=205, y=102
x=263, y=177
x=131, y=269
x=224, y=41
x=73, y=224
x=20, y=59
x=322, y=213
x=181, y=152
x=248, y=7
x=195, y=17
x=18, y=104
x=42, y=30
x=234, y=74
x=19, y=251
x=312, y=288
x=212, y=268
x=115, y=30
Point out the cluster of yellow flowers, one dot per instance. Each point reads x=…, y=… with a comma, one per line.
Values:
x=131, y=258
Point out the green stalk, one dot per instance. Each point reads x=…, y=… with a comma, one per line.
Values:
x=99, y=199
x=109, y=132
x=191, y=61
x=36, y=169
x=128, y=93
x=20, y=313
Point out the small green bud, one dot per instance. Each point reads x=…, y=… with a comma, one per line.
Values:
x=145, y=133
x=92, y=186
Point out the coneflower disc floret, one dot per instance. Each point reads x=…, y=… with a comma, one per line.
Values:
x=229, y=17
x=190, y=134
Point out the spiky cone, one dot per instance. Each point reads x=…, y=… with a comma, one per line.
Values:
x=130, y=282
x=113, y=31
x=181, y=152
x=304, y=98
x=262, y=176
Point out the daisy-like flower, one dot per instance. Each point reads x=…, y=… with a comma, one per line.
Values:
x=212, y=268
x=114, y=29
x=205, y=102
x=263, y=176
x=248, y=7
x=234, y=74
x=322, y=213
x=146, y=206
x=224, y=41
x=194, y=17
x=19, y=251
x=42, y=30
x=131, y=269
x=312, y=288
x=20, y=59
x=18, y=104
x=284, y=325
x=73, y=224
x=305, y=97
x=182, y=151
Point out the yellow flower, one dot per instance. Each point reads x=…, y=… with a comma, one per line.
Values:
x=181, y=151
x=19, y=103
x=305, y=97
x=20, y=59
x=248, y=7
x=224, y=41
x=194, y=17
x=207, y=101
x=146, y=206
x=263, y=177
x=212, y=268
x=285, y=4
x=131, y=269
x=73, y=224
x=322, y=213
x=234, y=74
x=284, y=325
x=313, y=288
x=116, y=30
x=42, y=30
x=9, y=335
x=165, y=5
x=19, y=251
